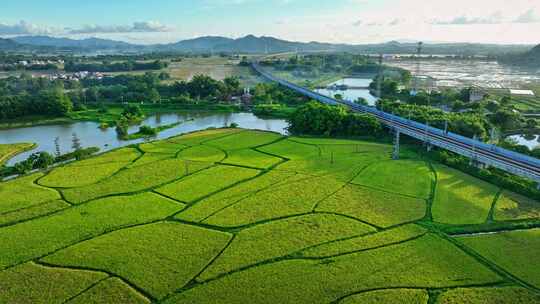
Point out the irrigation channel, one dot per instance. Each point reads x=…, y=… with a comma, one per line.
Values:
x=92, y=136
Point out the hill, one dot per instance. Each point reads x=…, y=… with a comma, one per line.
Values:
x=529, y=59
x=89, y=43
x=8, y=44
x=242, y=216
x=264, y=44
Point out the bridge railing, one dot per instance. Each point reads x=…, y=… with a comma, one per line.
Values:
x=429, y=129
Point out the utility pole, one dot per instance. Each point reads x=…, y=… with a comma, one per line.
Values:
x=418, y=69
x=473, y=158
x=380, y=78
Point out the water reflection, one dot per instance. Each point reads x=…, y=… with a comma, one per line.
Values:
x=358, y=88
x=106, y=139
x=530, y=140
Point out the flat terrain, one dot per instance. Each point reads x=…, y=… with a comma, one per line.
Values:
x=216, y=67
x=239, y=216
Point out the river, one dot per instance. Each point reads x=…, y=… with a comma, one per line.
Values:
x=351, y=94
x=92, y=136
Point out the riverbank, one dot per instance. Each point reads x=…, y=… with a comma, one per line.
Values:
x=113, y=113
x=8, y=151
x=154, y=131
x=90, y=135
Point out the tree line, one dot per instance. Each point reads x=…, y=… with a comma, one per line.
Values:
x=314, y=118
x=27, y=96
x=123, y=66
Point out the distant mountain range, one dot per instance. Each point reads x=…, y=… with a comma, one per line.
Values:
x=249, y=44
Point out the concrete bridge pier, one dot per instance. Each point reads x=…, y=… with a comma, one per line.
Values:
x=395, y=154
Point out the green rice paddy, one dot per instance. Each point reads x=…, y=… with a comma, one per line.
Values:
x=239, y=216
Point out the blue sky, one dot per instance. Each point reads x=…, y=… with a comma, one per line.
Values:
x=351, y=21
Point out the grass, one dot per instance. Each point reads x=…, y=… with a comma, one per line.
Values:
x=36, y=284
x=390, y=296
x=283, y=237
x=512, y=251
x=512, y=206
x=460, y=198
x=29, y=240
x=488, y=296
x=379, y=208
x=237, y=216
x=428, y=261
x=407, y=177
x=112, y=291
x=8, y=151
x=22, y=193
x=205, y=182
x=159, y=257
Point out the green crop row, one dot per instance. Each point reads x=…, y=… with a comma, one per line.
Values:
x=428, y=261
x=213, y=204
x=290, y=198
x=29, y=240
x=135, y=179
x=461, y=198
x=279, y=238
x=244, y=140
x=511, y=251
x=206, y=182
x=22, y=193
x=36, y=284
x=158, y=258
x=110, y=291
x=379, y=208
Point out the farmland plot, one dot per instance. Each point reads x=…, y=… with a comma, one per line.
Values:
x=237, y=216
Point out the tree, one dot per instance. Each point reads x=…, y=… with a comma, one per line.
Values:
x=132, y=111
x=153, y=96
x=75, y=142
x=531, y=123
x=506, y=119
x=57, y=151
x=92, y=94
x=361, y=101
x=41, y=160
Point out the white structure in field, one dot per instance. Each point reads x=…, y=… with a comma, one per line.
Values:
x=522, y=92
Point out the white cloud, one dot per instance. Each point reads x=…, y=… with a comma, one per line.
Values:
x=137, y=27
x=495, y=18
x=530, y=16
x=25, y=28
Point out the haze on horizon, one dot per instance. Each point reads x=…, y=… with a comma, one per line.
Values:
x=338, y=21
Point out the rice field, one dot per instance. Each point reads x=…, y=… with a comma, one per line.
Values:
x=7, y=151
x=241, y=216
